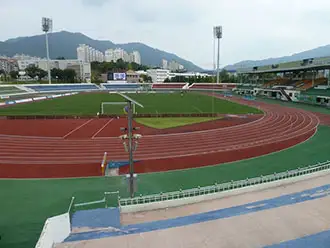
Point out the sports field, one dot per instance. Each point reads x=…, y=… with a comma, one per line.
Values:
x=164, y=122
x=90, y=104
x=30, y=202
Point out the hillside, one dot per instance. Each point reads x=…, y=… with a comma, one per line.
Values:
x=65, y=44
x=322, y=51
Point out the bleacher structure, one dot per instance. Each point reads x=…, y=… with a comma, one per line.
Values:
x=127, y=87
x=291, y=81
x=63, y=87
x=169, y=86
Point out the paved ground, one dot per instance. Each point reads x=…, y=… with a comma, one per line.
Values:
x=256, y=219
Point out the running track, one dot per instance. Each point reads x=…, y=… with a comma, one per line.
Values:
x=73, y=156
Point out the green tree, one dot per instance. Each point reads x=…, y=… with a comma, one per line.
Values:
x=41, y=73
x=146, y=78
x=69, y=75
x=224, y=76
x=13, y=74
x=32, y=71
x=57, y=74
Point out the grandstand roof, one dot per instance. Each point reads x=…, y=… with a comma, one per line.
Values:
x=302, y=65
x=301, y=68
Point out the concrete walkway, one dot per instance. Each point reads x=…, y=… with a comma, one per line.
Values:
x=256, y=219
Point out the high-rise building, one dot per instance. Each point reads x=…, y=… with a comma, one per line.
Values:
x=164, y=64
x=174, y=66
x=135, y=57
x=109, y=55
x=86, y=53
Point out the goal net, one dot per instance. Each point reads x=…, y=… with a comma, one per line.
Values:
x=109, y=108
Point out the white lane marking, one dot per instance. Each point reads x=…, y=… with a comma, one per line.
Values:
x=102, y=128
x=77, y=128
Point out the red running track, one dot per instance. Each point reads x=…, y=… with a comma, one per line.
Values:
x=69, y=156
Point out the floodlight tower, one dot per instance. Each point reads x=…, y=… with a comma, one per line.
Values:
x=132, y=141
x=47, y=26
x=217, y=31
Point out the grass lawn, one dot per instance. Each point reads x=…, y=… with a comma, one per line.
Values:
x=90, y=104
x=27, y=203
x=305, y=106
x=165, y=122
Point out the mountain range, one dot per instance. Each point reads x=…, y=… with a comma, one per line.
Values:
x=322, y=51
x=64, y=44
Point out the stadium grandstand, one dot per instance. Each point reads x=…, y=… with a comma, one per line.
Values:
x=306, y=81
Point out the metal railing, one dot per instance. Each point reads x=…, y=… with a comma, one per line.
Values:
x=216, y=188
x=105, y=202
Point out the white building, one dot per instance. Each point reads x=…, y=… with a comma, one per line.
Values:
x=135, y=57
x=83, y=69
x=8, y=64
x=99, y=56
x=158, y=75
x=86, y=53
x=174, y=66
x=164, y=64
x=120, y=54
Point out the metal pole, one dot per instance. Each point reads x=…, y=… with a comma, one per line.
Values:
x=218, y=62
x=214, y=54
x=48, y=64
x=130, y=149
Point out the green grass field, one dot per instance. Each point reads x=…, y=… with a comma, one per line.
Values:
x=28, y=203
x=165, y=122
x=90, y=104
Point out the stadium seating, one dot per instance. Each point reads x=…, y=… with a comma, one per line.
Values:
x=279, y=81
x=210, y=86
x=7, y=90
x=168, y=86
x=308, y=84
x=63, y=87
x=121, y=87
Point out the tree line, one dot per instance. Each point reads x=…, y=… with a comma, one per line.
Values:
x=99, y=68
x=225, y=77
x=34, y=72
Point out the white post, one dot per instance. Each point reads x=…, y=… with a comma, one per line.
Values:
x=48, y=64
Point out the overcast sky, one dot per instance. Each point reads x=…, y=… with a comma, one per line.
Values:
x=253, y=29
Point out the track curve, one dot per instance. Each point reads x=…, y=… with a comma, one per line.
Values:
x=279, y=128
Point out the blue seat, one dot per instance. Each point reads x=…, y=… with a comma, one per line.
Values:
x=119, y=87
x=66, y=87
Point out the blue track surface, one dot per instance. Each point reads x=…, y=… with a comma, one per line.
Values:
x=319, y=240
x=284, y=200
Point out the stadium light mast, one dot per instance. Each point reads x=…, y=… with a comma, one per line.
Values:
x=217, y=31
x=130, y=137
x=47, y=26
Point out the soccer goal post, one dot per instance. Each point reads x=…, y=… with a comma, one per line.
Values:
x=108, y=108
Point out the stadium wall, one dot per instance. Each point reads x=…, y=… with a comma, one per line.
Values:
x=56, y=230
x=208, y=197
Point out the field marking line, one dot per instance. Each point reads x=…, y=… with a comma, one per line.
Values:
x=77, y=128
x=102, y=128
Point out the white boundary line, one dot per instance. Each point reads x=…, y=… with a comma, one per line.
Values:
x=77, y=128
x=106, y=124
